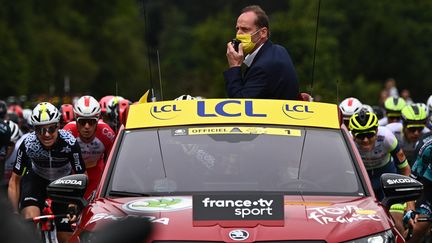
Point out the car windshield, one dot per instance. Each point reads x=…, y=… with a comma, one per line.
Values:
x=202, y=159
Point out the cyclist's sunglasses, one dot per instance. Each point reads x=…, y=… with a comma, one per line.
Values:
x=415, y=129
x=84, y=121
x=367, y=135
x=44, y=130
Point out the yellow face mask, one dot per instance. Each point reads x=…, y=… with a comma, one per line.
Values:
x=246, y=40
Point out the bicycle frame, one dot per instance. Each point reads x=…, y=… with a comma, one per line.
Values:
x=46, y=225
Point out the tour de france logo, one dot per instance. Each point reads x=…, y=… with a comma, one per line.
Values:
x=158, y=204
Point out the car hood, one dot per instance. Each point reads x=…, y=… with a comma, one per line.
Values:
x=332, y=219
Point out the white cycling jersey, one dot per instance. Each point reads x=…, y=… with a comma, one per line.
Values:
x=383, y=121
x=380, y=155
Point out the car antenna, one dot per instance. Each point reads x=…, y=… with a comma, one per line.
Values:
x=152, y=96
x=337, y=91
x=315, y=45
x=160, y=75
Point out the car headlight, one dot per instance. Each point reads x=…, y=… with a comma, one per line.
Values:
x=383, y=237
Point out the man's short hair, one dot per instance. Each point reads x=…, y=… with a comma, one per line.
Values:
x=262, y=18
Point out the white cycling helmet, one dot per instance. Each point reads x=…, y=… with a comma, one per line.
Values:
x=27, y=115
x=112, y=104
x=185, y=97
x=15, y=131
x=429, y=103
x=87, y=106
x=367, y=108
x=45, y=113
x=349, y=107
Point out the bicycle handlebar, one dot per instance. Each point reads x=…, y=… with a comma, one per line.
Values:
x=44, y=218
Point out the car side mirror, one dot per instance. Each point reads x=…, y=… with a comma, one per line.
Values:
x=399, y=188
x=69, y=189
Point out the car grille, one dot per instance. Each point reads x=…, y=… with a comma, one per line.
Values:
x=293, y=241
x=181, y=241
x=285, y=241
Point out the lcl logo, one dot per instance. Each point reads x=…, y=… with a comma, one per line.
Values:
x=165, y=112
x=239, y=235
x=297, y=112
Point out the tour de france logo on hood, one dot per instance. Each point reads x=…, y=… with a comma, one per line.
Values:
x=158, y=204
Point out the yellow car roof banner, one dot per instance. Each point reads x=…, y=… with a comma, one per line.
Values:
x=233, y=111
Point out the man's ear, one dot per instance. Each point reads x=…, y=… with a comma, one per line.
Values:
x=264, y=32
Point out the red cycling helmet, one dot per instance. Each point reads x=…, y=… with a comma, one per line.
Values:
x=16, y=109
x=123, y=108
x=67, y=113
x=104, y=101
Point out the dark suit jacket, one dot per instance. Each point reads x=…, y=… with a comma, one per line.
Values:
x=271, y=75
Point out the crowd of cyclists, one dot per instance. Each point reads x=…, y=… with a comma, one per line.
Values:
x=396, y=138
x=47, y=142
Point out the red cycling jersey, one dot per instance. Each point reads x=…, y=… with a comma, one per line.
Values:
x=95, y=152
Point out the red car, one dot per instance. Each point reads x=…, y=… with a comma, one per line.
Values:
x=238, y=170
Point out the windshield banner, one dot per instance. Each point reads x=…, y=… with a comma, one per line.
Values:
x=238, y=207
x=236, y=130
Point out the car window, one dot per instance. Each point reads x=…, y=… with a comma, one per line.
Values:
x=221, y=159
x=326, y=159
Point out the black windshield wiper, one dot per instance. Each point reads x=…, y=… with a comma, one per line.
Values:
x=128, y=194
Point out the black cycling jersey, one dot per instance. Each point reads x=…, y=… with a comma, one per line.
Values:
x=62, y=159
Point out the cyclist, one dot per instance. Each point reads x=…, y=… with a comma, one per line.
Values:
x=8, y=164
x=422, y=171
x=429, y=104
x=94, y=136
x=393, y=107
x=67, y=114
x=117, y=109
x=367, y=108
x=349, y=106
x=16, y=109
x=16, y=133
x=26, y=126
x=45, y=155
x=186, y=97
x=409, y=131
x=103, y=104
x=5, y=135
x=378, y=148
x=380, y=153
